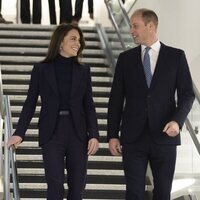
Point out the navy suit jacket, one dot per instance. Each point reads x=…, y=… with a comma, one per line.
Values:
x=132, y=102
x=43, y=84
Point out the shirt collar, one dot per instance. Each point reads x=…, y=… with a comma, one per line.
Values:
x=155, y=46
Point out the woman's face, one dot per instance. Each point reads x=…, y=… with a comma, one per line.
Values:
x=70, y=45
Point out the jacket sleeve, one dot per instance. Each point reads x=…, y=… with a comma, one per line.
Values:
x=91, y=118
x=185, y=93
x=116, y=101
x=29, y=105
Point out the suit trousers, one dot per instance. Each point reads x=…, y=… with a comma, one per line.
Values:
x=90, y=6
x=25, y=12
x=52, y=11
x=162, y=159
x=65, y=11
x=78, y=10
x=65, y=150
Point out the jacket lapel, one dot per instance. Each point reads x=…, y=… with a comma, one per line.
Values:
x=77, y=74
x=160, y=63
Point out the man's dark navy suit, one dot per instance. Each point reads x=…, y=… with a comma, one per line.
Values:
x=43, y=83
x=135, y=108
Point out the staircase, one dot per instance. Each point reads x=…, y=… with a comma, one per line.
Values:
x=20, y=47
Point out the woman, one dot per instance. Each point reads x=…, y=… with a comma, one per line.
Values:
x=67, y=121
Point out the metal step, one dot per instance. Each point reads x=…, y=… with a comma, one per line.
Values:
x=35, y=59
x=20, y=42
x=24, y=78
x=38, y=34
x=43, y=51
x=26, y=69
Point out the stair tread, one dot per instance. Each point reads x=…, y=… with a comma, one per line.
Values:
x=38, y=42
x=37, y=34
x=36, y=59
x=33, y=50
x=26, y=77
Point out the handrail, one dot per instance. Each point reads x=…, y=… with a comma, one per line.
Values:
x=197, y=94
x=1, y=96
x=1, y=157
x=125, y=16
x=108, y=6
x=130, y=8
x=192, y=134
x=6, y=161
x=1, y=135
x=18, y=8
x=106, y=46
x=10, y=156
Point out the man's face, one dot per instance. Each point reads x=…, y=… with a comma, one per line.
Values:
x=138, y=30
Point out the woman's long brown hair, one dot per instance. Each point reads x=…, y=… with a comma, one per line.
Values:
x=57, y=37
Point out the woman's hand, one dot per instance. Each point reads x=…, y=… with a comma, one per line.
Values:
x=93, y=146
x=14, y=141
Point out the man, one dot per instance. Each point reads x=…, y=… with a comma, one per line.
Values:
x=79, y=8
x=25, y=12
x=52, y=12
x=66, y=11
x=78, y=11
x=142, y=106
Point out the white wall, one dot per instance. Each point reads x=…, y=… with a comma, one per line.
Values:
x=179, y=23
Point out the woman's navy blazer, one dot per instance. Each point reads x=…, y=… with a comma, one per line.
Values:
x=82, y=109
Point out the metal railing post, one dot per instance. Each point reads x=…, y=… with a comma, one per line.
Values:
x=10, y=153
x=6, y=163
x=107, y=2
x=18, y=8
x=1, y=158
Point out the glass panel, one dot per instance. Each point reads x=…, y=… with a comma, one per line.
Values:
x=188, y=159
x=194, y=117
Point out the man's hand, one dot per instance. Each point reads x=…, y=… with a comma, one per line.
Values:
x=14, y=141
x=171, y=129
x=115, y=147
x=93, y=146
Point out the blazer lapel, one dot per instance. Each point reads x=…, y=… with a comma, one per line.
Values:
x=160, y=63
x=76, y=78
x=51, y=78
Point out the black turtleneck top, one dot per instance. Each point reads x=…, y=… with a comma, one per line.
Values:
x=63, y=72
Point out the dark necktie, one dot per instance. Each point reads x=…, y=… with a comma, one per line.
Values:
x=147, y=66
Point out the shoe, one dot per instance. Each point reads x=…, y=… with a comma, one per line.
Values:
x=75, y=22
x=91, y=15
x=3, y=21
